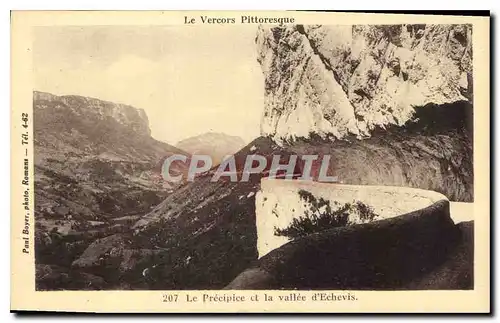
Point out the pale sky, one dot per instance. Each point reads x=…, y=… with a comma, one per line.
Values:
x=188, y=79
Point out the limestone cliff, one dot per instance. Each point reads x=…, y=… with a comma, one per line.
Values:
x=339, y=80
x=124, y=115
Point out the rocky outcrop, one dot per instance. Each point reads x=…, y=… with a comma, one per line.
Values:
x=111, y=257
x=99, y=110
x=77, y=125
x=339, y=80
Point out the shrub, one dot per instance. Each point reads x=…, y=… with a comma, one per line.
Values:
x=320, y=216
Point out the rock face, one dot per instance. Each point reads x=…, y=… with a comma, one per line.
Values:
x=99, y=110
x=340, y=80
x=91, y=127
x=111, y=257
x=216, y=145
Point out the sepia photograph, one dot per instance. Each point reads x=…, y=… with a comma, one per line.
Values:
x=234, y=152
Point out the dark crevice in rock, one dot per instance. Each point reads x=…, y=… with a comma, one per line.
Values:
x=326, y=63
x=434, y=119
x=362, y=93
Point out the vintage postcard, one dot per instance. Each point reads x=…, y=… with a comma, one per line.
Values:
x=271, y=162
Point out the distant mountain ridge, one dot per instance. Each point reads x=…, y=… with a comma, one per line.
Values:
x=215, y=144
x=126, y=115
x=94, y=127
